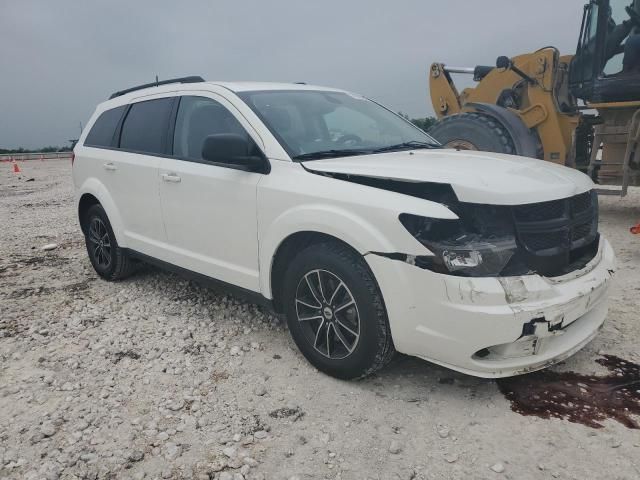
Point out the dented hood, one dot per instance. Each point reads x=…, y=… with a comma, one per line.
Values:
x=476, y=177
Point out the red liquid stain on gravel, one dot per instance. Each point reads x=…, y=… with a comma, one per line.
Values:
x=585, y=399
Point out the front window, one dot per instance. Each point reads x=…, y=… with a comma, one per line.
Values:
x=199, y=117
x=582, y=65
x=621, y=46
x=319, y=124
x=615, y=28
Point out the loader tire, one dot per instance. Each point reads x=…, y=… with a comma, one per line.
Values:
x=473, y=131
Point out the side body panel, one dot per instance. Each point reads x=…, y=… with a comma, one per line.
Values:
x=86, y=183
x=292, y=200
x=210, y=218
x=133, y=185
x=126, y=185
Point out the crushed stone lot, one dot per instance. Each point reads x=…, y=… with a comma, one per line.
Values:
x=158, y=377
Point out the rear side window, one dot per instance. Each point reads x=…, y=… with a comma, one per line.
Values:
x=199, y=117
x=145, y=127
x=103, y=130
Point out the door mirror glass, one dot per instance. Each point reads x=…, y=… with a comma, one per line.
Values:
x=231, y=149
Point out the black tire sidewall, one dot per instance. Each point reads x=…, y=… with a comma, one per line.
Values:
x=354, y=274
x=484, y=132
x=93, y=212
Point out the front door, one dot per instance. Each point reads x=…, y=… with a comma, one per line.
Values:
x=209, y=210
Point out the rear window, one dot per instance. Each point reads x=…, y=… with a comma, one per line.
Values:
x=103, y=130
x=145, y=127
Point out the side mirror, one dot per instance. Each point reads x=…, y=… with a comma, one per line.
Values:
x=233, y=150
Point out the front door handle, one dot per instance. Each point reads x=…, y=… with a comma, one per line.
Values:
x=109, y=166
x=171, y=177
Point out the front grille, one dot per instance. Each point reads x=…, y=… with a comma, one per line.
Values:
x=581, y=231
x=544, y=241
x=535, y=212
x=552, y=233
x=582, y=202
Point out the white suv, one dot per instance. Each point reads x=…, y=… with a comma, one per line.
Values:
x=356, y=225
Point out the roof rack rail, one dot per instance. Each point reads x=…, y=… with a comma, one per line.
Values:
x=191, y=79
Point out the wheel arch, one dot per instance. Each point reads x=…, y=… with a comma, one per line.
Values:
x=370, y=229
x=94, y=192
x=87, y=200
x=286, y=251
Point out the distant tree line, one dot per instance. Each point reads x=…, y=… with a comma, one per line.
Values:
x=49, y=149
x=424, y=123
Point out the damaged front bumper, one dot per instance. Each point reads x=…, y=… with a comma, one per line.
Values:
x=493, y=326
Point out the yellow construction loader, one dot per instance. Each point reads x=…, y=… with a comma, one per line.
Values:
x=579, y=110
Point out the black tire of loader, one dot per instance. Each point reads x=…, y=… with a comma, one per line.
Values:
x=481, y=131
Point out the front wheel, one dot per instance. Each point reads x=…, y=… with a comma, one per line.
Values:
x=335, y=312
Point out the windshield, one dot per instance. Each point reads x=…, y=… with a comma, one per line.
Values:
x=319, y=124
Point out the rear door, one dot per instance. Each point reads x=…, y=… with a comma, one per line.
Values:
x=142, y=140
x=209, y=210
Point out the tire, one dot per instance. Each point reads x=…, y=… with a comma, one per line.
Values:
x=473, y=131
x=358, y=335
x=107, y=258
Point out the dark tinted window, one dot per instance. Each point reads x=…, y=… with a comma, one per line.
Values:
x=145, y=127
x=199, y=117
x=101, y=134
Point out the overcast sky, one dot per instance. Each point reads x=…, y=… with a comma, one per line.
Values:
x=59, y=58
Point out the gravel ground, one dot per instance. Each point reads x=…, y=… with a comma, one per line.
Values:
x=157, y=377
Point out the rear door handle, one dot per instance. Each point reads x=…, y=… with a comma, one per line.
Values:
x=109, y=166
x=171, y=177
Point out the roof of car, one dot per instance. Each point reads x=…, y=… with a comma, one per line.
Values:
x=126, y=96
x=233, y=86
x=258, y=86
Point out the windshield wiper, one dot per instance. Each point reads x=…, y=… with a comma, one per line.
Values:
x=413, y=144
x=331, y=154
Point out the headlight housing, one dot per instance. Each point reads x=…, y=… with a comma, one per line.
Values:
x=463, y=249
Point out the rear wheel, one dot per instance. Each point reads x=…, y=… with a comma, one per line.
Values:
x=108, y=260
x=473, y=131
x=335, y=312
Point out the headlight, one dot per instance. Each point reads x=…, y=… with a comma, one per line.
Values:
x=458, y=251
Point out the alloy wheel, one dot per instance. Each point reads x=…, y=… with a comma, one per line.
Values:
x=100, y=243
x=328, y=314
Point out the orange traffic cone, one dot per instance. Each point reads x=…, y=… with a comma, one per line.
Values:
x=635, y=230
x=16, y=167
